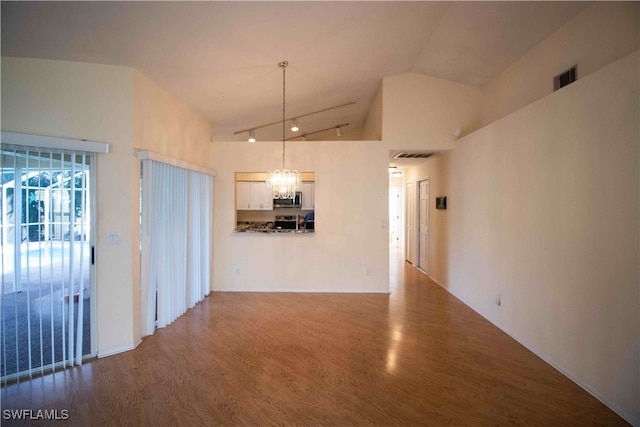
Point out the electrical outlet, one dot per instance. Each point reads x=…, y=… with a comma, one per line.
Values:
x=237, y=271
x=499, y=300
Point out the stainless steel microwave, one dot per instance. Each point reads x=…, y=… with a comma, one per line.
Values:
x=296, y=202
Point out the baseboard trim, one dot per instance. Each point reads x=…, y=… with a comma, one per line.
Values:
x=440, y=284
x=423, y=271
x=615, y=408
x=113, y=351
x=306, y=291
x=626, y=416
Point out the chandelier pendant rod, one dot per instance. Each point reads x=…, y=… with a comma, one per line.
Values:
x=284, y=183
x=283, y=65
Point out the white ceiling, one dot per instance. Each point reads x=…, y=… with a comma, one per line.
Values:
x=220, y=58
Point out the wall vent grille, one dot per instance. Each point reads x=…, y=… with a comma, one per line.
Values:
x=565, y=78
x=413, y=155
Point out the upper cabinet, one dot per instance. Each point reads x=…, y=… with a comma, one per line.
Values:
x=308, y=196
x=243, y=195
x=253, y=195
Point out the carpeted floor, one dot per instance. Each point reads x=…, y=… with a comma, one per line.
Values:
x=34, y=323
x=33, y=312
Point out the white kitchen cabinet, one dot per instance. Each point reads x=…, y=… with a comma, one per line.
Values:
x=243, y=195
x=265, y=198
x=308, y=196
x=253, y=195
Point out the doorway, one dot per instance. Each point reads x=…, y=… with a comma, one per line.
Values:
x=46, y=201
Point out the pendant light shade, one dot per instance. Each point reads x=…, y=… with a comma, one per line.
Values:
x=284, y=183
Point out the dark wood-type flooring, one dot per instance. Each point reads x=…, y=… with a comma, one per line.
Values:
x=415, y=357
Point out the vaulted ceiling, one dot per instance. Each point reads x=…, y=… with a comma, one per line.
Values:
x=220, y=58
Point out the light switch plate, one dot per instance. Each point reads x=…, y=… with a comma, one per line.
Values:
x=113, y=238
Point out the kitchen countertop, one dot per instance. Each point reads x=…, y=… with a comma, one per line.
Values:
x=259, y=227
x=272, y=230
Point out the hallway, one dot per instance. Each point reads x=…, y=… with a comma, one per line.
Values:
x=417, y=356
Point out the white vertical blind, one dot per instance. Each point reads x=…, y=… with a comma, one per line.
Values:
x=45, y=208
x=176, y=241
x=199, y=262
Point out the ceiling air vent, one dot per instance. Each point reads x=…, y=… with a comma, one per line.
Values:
x=413, y=155
x=565, y=78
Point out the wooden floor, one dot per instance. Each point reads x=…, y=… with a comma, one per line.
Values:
x=415, y=357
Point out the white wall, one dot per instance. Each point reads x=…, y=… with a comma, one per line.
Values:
x=420, y=112
x=372, y=127
x=351, y=238
x=164, y=124
x=93, y=102
x=603, y=33
x=121, y=107
x=543, y=210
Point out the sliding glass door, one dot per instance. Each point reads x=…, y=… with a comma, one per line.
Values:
x=46, y=258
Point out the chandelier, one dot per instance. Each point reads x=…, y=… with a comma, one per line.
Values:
x=283, y=183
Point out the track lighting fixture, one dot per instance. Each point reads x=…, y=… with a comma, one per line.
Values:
x=338, y=131
x=252, y=136
x=295, y=118
x=306, y=134
x=294, y=126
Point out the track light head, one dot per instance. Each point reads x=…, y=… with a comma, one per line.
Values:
x=252, y=136
x=338, y=131
x=294, y=126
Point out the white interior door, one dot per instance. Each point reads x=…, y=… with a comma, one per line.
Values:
x=395, y=217
x=423, y=247
x=410, y=252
